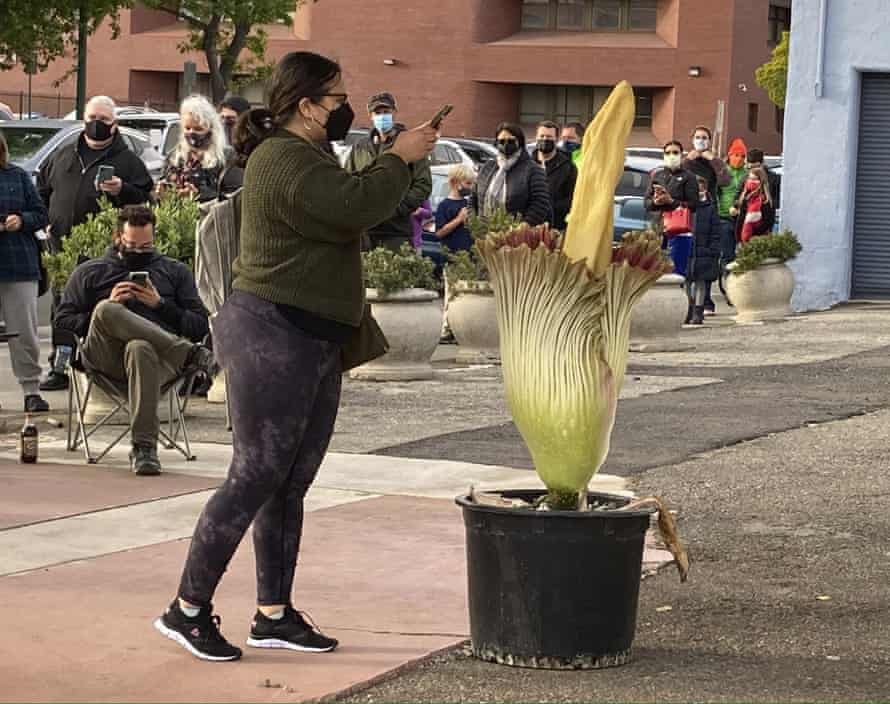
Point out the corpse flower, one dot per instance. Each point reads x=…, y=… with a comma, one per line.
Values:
x=564, y=311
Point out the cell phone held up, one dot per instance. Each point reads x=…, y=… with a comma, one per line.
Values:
x=140, y=278
x=104, y=173
x=441, y=115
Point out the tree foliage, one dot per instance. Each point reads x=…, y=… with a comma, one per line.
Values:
x=35, y=33
x=230, y=35
x=773, y=75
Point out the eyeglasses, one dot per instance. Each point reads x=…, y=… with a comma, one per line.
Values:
x=142, y=249
x=344, y=96
x=512, y=140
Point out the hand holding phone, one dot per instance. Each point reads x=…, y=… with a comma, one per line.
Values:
x=140, y=278
x=104, y=173
x=441, y=115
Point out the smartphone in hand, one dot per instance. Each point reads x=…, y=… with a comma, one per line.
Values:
x=441, y=115
x=104, y=173
x=140, y=278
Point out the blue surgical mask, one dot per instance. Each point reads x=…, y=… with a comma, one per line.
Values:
x=383, y=122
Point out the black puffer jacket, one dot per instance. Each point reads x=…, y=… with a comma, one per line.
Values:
x=562, y=175
x=681, y=184
x=66, y=184
x=704, y=262
x=528, y=194
x=181, y=311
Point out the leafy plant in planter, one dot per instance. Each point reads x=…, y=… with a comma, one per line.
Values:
x=388, y=271
x=174, y=236
x=564, y=311
x=752, y=254
x=468, y=265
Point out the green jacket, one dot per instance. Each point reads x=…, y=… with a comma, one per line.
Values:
x=302, y=220
x=398, y=222
x=726, y=195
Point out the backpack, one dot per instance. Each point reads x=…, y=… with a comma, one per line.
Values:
x=217, y=245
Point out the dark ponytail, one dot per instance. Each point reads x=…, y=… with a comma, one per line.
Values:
x=299, y=74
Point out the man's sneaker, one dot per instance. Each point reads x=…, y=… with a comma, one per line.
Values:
x=199, y=635
x=35, y=404
x=291, y=632
x=54, y=382
x=200, y=359
x=144, y=460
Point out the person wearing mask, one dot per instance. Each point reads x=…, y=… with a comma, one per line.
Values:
x=727, y=196
x=571, y=138
x=702, y=161
x=756, y=161
x=298, y=298
x=512, y=182
x=395, y=229
x=562, y=174
x=22, y=214
x=670, y=188
x=704, y=263
x=140, y=336
x=452, y=213
x=230, y=109
x=197, y=166
x=754, y=211
x=68, y=185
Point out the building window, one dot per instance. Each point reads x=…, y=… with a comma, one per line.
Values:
x=780, y=120
x=779, y=19
x=590, y=15
x=564, y=104
x=753, y=116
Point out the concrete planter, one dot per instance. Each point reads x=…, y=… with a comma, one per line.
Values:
x=472, y=317
x=660, y=313
x=761, y=294
x=412, y=322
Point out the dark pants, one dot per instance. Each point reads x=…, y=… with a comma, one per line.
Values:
x=727, y=248
x=284, y=392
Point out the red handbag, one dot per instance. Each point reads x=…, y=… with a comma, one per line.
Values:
x=677, y=221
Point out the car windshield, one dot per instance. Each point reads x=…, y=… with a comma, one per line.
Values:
x=25, y=142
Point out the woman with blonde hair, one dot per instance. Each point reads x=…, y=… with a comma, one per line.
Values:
x=201, y=165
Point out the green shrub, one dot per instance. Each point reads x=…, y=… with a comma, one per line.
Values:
x=468, y=265
x=752, y=254
x=174, y=236
x=389, y=271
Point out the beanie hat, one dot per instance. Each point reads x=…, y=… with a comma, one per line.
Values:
x=738, y=147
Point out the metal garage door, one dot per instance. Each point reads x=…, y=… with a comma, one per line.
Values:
x=871, y=229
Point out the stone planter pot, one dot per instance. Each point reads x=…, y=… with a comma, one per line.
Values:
x=761, y=294
x=472, y=317
x=412, y=322
x=659, y=315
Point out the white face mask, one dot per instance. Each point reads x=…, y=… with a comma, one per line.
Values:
x=701, y=144
x=672, y=161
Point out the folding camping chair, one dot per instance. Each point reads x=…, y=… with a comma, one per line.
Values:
x=118, y=393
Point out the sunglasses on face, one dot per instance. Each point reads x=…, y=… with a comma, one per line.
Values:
x=512, y=140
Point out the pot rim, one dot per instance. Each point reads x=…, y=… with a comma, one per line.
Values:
x=463, y=500
x=480, y=286
x=405, y=295
x=769, y=261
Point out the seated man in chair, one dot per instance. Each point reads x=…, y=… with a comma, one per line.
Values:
x=141, y=320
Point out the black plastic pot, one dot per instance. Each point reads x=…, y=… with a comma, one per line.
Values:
x=553, y=589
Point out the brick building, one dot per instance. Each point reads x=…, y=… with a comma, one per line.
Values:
x=522, y=60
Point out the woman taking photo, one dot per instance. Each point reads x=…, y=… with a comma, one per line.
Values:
x=197, y=166
x=298, y=298
x=513, y=182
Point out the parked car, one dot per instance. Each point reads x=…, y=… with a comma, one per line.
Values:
x=162, y=128
x=31, y=142
x=635, y=179
x=119, y=111
x=630, y=215
x=647, y=152
x=28, y=116
x=478, y=150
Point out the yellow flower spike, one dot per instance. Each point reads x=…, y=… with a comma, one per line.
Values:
x=589, y=233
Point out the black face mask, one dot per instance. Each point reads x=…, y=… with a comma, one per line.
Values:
x=135, y=261
x=98, y=130
x=465, y=192
x=508, y=147
x=546, y=146
x=339, y=122
x=198, y=140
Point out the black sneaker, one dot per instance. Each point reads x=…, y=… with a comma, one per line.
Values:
x=291, y=632
x=199, y=635
x=54, y=382
x=710, y=308
x=35, y=404
x=144, y=460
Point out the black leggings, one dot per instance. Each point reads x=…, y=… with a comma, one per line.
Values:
x=284, y=392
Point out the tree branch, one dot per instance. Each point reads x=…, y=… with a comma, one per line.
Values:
x=179, y=14
x=233, y=51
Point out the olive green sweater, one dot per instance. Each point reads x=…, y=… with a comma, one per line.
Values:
x=301, y=224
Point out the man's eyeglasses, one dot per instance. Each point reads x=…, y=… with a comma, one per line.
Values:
x=142, y=249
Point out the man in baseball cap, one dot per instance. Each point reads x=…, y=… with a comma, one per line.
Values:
x=397, y=230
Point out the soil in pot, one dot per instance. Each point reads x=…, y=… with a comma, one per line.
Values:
x=554, y=589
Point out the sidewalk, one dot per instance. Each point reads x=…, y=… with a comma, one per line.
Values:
x=788, y=509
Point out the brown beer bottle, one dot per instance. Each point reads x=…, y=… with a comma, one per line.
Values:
x=28, y=442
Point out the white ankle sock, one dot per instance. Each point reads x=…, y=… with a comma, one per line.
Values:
x=276, y=616
x=190, y=611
